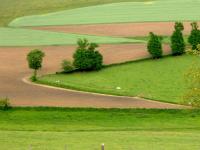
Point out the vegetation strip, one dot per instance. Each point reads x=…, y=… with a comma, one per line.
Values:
x=117, y=13
x=28, y=37
x=11, y=9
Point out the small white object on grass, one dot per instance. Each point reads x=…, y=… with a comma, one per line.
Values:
x=58, y=81
x=118, y=88
x=102, y=146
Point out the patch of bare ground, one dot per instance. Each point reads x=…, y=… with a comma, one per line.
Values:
x=120, y=29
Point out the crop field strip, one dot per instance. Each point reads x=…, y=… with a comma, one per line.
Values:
x=11, y=9
x=28, y=37
x=154, y=11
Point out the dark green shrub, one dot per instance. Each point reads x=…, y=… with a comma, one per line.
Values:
x=35, y=58
x=194, y=38
x=155, y=46
x=67, y=66
x=4, y=104
x=177, y=40
x=86, y=57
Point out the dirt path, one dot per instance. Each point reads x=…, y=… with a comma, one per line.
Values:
x=13, y=68
x=121, y=30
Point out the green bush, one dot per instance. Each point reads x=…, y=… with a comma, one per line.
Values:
x=67, y=66
x=192, y=96
x=155, y=46
x=194, y=52
x=194, y=38
x=177, y=40
x=86, y=57
x=35, y=58
x=4, y=104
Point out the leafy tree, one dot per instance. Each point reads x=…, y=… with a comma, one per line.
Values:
x=177, y=40
x=86, y=57
x=35, y=58
x=194, y=38
x=155, y=45
x=179, y=26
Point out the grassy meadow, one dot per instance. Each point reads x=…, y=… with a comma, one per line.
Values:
x=186, y=10
x=161, y=80
x=53, y=128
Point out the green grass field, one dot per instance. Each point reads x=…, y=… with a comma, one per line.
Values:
x=161, y=80
x=11, y=9
x=52, y=128
x=118, y=12
x=27, y=37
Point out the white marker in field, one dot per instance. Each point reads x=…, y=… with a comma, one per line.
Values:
x=58, y=81
x=102, y=146
x=118, y=88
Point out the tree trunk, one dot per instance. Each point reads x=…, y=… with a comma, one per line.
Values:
x=35, y=73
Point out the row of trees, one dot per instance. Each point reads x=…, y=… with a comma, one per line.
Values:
x=86, y=58
x=178, y=45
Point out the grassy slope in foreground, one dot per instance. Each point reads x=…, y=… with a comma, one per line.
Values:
x=118, y=12
x=161, y=79
x=28, y=37
x=11, y=9
x=88, y=128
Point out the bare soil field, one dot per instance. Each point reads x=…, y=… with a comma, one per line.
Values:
x=119, y=30
x=14, y=68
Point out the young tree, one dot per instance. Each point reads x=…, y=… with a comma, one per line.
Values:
x=87, y=57
x=35, y=58
x=194, y=38
x=177, y=40
x=155, y=45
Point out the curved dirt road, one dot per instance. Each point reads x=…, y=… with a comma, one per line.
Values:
x=13, y=68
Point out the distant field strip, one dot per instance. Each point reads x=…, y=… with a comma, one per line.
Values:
x=168, y=10
x=26, y=37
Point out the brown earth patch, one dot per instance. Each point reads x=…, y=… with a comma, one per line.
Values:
x=14, y=67
x=119, y=30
